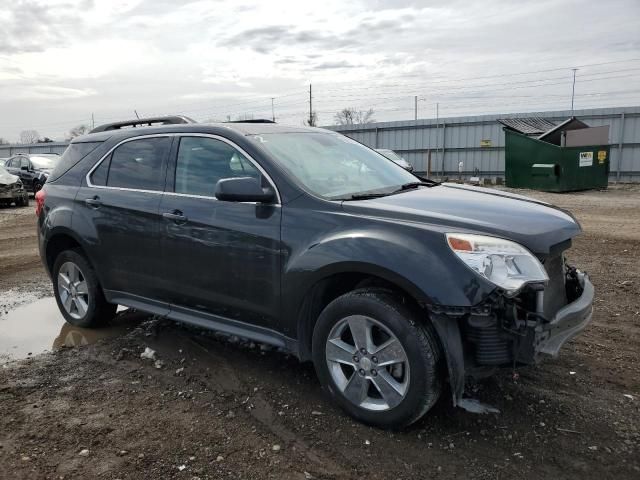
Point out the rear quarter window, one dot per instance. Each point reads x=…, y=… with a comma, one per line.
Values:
x=71, y=156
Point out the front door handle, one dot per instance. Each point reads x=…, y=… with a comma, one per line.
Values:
x=93, y=202
x=175, y=216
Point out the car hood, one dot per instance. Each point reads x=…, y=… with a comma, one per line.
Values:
x=536, y=225
x=7, y=179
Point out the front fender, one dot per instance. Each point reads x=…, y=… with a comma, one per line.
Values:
x=418, y=261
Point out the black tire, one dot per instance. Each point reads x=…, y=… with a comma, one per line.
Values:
x=98, y=311
x=417, y=338
x=22, y=201
x=36, y=186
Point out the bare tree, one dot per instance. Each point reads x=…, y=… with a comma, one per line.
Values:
x=3, y=141
x=244, y=116
x=351, y=116
x=29, y=136
x=77, y=131
x=312, y=121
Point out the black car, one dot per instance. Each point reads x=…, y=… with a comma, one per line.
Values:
x=33, y=169
x=307, y=240
x=12, y=190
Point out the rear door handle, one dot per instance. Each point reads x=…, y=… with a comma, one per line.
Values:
x=93, y=202
x=175, y=216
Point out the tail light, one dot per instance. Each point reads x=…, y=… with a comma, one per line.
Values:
x=40, y=196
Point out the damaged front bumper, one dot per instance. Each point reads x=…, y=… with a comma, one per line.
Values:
x=508, y=332
x=568, y=322
x=11, y=191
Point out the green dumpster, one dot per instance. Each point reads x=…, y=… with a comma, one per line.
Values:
x=535, y=163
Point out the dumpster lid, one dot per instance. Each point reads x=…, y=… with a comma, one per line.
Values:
x=571, y=123
x=530, y=126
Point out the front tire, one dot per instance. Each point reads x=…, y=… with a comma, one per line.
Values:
x=78, y=293
x=377, y=359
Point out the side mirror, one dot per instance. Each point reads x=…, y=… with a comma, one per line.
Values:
x=243, y=189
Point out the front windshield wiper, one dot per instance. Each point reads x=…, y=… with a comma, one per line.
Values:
x=425, y=182
x=366, y=196
x=422, y=183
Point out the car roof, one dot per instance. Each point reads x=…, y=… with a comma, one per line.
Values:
x=241, y=128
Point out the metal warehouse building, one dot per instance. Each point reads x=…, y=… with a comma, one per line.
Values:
x=478, y=141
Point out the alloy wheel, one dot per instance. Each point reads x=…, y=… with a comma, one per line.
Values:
x=367, y=363
x=73, y=290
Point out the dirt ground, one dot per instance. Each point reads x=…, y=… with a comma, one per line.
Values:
x=223, y=408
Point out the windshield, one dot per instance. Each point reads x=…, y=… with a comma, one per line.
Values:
x=333, y=166
x=44, y=162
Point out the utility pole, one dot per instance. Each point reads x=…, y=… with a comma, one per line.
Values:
x=93, y=122
x=273, y=114
x=415, y=108
x=310, y=108
x=437, y=138
x=573, y=88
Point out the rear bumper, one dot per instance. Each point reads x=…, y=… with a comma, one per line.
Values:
x=568, y=322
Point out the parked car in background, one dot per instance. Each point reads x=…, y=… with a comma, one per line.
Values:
x=394, y=157
x=12, y=189
x=33, y=169
x=307, y=240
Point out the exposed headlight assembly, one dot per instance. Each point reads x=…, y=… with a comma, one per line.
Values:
x=505, y=263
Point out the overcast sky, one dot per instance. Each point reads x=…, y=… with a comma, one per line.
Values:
x=61, y=61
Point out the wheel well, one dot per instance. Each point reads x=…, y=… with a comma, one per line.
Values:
x=56, y=245
x=330, y=288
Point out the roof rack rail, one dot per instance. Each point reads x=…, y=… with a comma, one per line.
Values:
x=144, y=122
x=256, y=120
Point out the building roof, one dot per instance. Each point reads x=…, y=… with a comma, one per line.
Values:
x=531, y=126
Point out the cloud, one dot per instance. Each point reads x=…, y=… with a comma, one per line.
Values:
x=61, y=60
x=268, y=39
x=335, y=65
x=30, y=26
x=51, y=92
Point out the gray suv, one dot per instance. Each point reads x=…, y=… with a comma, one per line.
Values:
x=307, y=240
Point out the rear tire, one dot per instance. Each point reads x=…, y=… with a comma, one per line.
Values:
x=36, y=186
x=78, y=292
x=393, y=380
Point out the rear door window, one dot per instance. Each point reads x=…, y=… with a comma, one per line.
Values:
x=139, y=164
x=99, y=175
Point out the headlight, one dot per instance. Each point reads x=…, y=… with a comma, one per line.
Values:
x=502, y=262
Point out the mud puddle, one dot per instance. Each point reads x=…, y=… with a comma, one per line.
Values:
x=39, y=327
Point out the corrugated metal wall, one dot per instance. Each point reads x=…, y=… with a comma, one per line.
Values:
x=460, y=139
x=51, y=147
x=478, y=141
